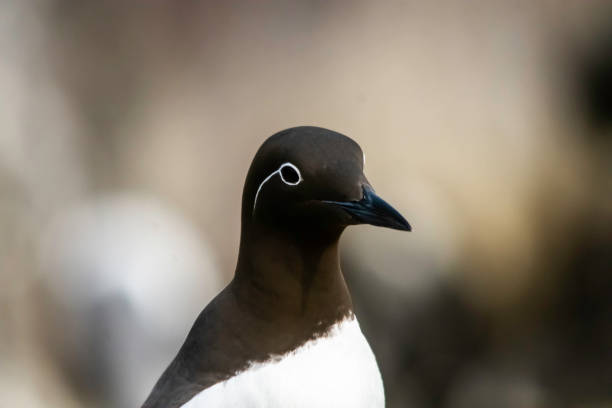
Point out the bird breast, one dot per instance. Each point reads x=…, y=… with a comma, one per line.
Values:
x=336, y=370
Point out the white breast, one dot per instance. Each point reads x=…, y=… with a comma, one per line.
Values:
x=337, y=370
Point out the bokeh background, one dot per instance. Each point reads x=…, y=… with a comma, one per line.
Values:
x=127, y=127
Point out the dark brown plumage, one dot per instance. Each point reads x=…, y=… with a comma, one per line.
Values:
x=288, y=287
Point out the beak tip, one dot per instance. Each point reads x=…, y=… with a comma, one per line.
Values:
x=404, y=225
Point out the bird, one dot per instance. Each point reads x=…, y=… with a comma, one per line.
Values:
x=283, y=332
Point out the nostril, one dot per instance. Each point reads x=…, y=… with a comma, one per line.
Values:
x=366, y=191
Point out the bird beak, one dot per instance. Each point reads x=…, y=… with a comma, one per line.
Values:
x=372, y=209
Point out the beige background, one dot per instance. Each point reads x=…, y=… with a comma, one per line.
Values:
x=126, y=130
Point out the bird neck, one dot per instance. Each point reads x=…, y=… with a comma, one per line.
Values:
x=281, y=274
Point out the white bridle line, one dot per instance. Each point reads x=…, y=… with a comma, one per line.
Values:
x=261, y=185
x=278, y=171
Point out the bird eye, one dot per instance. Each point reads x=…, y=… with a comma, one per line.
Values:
x=290, y=174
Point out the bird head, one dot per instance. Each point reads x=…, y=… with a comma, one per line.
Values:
x=312, y=179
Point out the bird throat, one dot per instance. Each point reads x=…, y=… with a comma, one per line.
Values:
x=292, y=276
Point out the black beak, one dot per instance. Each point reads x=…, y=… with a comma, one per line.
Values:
x=372, y=209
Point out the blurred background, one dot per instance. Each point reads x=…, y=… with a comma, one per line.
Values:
x=127, y=128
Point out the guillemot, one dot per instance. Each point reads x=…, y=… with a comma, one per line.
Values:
x=283, y=333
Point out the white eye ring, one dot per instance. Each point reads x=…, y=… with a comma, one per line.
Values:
x=291, y=166
x=279, y=172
